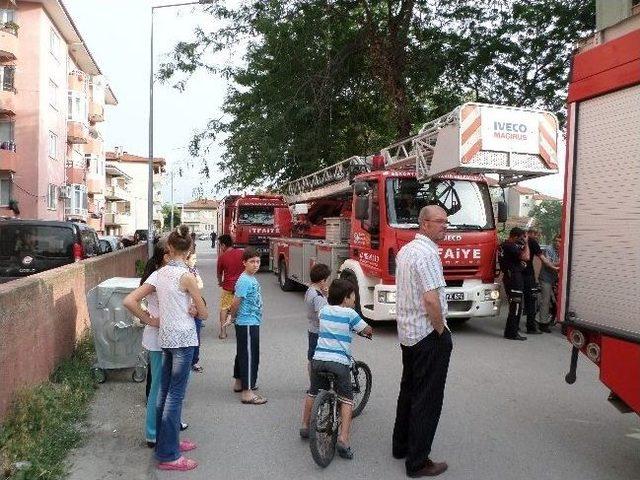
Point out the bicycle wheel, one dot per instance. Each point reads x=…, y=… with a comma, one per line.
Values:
x=361, y=380
x=323, y=428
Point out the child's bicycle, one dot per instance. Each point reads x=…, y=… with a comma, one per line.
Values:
x=325, y=419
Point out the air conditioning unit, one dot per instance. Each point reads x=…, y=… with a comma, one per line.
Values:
x=64, y=192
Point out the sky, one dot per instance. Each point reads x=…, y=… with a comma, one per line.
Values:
x=117, y=34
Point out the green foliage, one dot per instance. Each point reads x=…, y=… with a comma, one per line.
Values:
x=166, y=214
x=44, y=423
x=548, y=216
x=323, y=80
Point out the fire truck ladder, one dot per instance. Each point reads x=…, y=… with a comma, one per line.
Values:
x=329, y=181
x=417, y=151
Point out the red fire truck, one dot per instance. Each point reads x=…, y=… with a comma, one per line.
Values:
x=354, y=216
x=252, y=220
x=600, y=272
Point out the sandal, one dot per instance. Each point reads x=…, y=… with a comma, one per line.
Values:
x=256, y=400
x=222, y=337
x=304, y=433
x=183, y=464
x=344, y=451
x=187, y=445
x=197, y=368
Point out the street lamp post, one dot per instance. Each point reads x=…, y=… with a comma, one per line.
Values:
x=150, y=232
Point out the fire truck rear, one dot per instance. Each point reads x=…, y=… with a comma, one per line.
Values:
x=355, y=215
x=600, y=270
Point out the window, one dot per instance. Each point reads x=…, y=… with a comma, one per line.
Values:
x=53, y=145
x=7, y=15
x=7, y=77
x=52, y=197
x=5, y=191
x=53, y=94
x=54, y=43
x=77, y=107
x=6, y=132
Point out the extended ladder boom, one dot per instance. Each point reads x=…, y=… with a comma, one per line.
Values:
x=514, y=143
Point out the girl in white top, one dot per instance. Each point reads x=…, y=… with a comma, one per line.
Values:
x=176, y=288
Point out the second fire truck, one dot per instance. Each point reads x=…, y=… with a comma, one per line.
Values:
x=354, y=216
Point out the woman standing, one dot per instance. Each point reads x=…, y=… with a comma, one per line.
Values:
x=176, y=289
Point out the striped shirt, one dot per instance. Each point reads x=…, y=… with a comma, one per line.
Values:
x=418, y=270
x=334, y=334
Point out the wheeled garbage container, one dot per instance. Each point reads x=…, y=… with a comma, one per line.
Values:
x=117, y=334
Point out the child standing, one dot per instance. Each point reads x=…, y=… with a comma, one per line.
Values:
x=246, y=309
x=191, y=263
x=338, y=321
x=176, y=288
x=314, y=299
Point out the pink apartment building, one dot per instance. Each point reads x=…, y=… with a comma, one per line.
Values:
x=52, y=100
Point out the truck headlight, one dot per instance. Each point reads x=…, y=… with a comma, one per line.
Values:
x=386, y=297
x=491, y=295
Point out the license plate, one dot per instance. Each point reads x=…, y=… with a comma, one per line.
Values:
x=455, y=296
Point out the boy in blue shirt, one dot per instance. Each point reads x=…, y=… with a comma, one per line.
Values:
x=338, y=321
x=247, y=312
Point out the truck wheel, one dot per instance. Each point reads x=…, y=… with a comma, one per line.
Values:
x=286, y=285
x=350, y=276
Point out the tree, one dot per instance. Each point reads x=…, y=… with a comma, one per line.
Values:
x=548, y=216
x=327, y=79
x=166, y=214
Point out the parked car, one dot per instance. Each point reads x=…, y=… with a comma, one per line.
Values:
x=109, y=244
x=33, y=246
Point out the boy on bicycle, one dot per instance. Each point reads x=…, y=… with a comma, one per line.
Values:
x=338, y=321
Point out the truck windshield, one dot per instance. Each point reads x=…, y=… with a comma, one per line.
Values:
x=406, y=196
x=255, y=216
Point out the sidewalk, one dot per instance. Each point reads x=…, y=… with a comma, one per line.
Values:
x=115, y=446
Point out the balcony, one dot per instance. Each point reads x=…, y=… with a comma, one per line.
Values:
x=77, y=82
x=115, y=193
x=117, y=219
x=95, y=185
x=96, y=111
x=76, y=175
x=77, y=132
x=76, y=213
x=7, y=102
x=8, y=157
x=8, y=42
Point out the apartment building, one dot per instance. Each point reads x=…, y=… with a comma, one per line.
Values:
x=137, y=168
x=201, y=216
x=117, y=193
x=52, y=101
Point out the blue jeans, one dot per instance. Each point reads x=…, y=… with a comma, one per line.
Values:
x=176, y=365
x=155, y=361
x=196, y=350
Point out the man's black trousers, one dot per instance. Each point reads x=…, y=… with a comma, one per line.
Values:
x=513, y=286
x=424, y=374
x=529, y=281
x=245, y=367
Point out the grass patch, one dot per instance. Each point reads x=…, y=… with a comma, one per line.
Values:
x=45, y=422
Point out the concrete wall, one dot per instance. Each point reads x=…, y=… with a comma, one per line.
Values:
x=42, y=317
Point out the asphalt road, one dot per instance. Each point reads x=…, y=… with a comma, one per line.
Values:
x=508, y=413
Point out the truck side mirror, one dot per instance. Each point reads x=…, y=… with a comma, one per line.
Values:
x=503, y=212
x=361, y=189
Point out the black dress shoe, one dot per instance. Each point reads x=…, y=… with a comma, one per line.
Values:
x=431, y=469
x=516, y=337
x=544, y=328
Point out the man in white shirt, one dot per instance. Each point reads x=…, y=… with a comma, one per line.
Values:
x=426, y=344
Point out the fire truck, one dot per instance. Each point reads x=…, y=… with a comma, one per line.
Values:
x=354, y=216
x=252, y=220
x=600, y=260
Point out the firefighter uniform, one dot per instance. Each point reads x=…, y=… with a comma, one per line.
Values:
x=512, y=276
